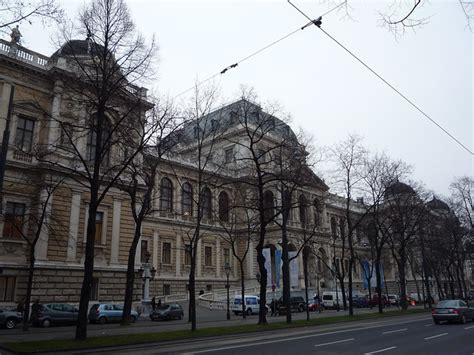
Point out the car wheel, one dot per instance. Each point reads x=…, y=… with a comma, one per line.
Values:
x=249, y=311
x=10, y=323
x=46, y=323
x=301, y=308
x=436, y=321
x=180, y=316
x=102, y=320
x=133, y=319
x=236, y=313
x=463, y=319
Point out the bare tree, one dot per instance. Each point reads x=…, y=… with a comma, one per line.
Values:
x=16, y=12
x=139, y=181
x=29, y=226
x=103, y=107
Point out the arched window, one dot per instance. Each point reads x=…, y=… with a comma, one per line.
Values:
x=206, y=203
x=342, y=227
x=187, y=199
x=268, y=205
x=317, y=212
x=166, y=195
x=302, y=207
x=224, y=206
x=333, y=227
x=104, y=141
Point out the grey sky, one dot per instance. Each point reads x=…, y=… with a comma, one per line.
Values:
x=326, y=91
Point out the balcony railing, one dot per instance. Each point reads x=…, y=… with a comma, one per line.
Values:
x=23, y=54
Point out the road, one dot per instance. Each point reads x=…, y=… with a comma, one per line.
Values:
x=205, y=318
x=398, y=335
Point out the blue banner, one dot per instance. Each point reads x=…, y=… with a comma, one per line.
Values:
x=277, y=266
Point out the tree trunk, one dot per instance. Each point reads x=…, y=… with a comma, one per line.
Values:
x=403, y=285
x=262, y=317
x=81, y=329
x=378, y=277
x=286, y=271
x=305, y=272
x=242, y=288
x=29, y=286
x=192, y=287
x=127, y=305
x=351, y=309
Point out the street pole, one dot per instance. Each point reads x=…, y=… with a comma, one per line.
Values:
x=227, y=272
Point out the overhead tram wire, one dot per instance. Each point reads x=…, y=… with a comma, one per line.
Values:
x=232, y=66
x=317, y=23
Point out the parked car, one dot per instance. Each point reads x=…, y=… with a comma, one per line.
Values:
x=167, y=312
x=252, y=305
x=9, y=319
x=331, y=299
x=297, y=304
x=452, y=310
x=54, y=313
x=104, y=313
x=393, y=300
x=360, y=302
x=375, y=300
x=314, y=306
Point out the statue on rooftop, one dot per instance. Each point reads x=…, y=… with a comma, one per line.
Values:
x=15, y=35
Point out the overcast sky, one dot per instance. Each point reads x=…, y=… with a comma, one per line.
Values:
x=326, y=92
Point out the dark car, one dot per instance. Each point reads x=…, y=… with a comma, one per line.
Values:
x=360, y=302
x=105, y=313
x=9, y=319
x=167, y=312
x=452, y=311
x=296, y=303
x=375, y=301
x=54, y=313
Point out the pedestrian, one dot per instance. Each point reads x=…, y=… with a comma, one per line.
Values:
x=159, y=303
x=153, y=303
x=35, y=307
x=273, y=307
x=20, y=308
x=318, y=303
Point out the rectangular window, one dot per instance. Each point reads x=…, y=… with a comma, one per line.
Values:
x=209, y=288
x=14, y=220
x=99, y=220
x=346, y=265
x=95, y=289
x=187, y=254
x=166, y=289
x=24, y=134
x=262, y=155
x=229, y=155
x=338, y=265
x=226, y=256
x=7, y=288
x=144, y=255
x=166, y=253
x=208, y=256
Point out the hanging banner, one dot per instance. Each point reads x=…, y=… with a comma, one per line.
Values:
x=277, y=267
x=268, y=264
x=294, y=269
x=370, y=274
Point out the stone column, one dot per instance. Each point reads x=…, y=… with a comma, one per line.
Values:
x=54, y=126
x=155, y=251
x=73, y=226
x=198, y=259
x=138, y=252
x=250, y=261
x=178, y=255
x=218, y=258
x=41, y=250
x=4, y=102
x=114, y=248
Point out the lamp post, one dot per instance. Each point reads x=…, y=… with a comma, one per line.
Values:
x=227, y=286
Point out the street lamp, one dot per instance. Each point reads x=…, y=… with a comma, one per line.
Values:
x=227, y=286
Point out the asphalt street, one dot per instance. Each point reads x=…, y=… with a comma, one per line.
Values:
x=400, y=335
x=205, y=318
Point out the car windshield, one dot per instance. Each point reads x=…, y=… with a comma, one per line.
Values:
x=448, y=303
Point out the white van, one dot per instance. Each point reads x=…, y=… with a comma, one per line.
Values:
x=252, y=304
x=331, y=299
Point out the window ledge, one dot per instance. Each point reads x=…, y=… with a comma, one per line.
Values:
x=12, y=240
